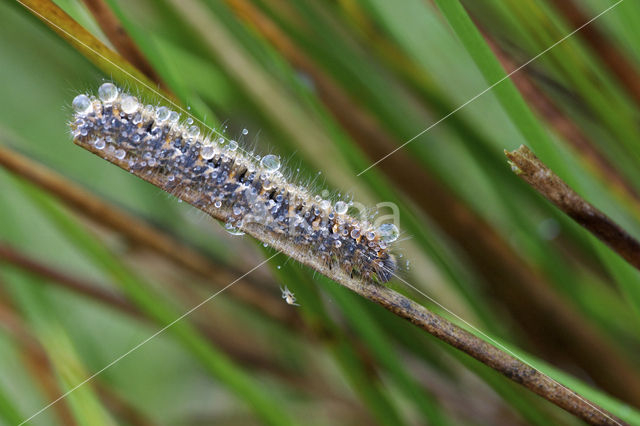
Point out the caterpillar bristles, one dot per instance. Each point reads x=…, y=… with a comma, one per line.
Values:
x=246, y=192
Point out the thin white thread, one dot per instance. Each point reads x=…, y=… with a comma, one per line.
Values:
x=490, y=87
x=504, y=348
x=136, y=347
x=262, y=263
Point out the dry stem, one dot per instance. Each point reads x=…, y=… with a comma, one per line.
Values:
x=404, y=307
x=538, y=175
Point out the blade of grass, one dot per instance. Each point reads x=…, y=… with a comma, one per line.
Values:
x=85, y=405
x=84, y=42
x=368, y=331
x=509, y=193
x=528, y=406
x=120, y=39
x=348, y=357
x=8, y=409
x=215, y=362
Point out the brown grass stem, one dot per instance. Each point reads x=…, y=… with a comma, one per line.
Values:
x=533, y=171
x=441, y=328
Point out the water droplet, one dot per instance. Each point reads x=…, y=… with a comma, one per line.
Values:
x=207, y=152
x=193, y=131
x=245, y=132
x=388, y=232
x=189, y=121
x=270, y=162
x=108, y=92
x=82, y=104
x=324, y=193
x=173, y=117
x=217, y=204
x=120, y=153
x=370, y=235
x=162, y=114
x=233, y=145
x=99, y=143
x=129, y=105
x=355, y=233
x=232, y=229
x=341, y=207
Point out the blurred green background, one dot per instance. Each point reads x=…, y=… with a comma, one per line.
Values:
x=331, y=86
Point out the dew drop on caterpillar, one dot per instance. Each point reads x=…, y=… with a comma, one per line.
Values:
x=248, y=194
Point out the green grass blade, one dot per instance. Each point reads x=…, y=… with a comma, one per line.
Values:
x=217, y=364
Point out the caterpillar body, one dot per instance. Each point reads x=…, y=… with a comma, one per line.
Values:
x=246, y=192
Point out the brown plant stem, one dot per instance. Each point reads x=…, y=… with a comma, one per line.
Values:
x=13, y=257
x=142, y=234
x=400, y=305
x=533, y=171
x=123, y=43
x=551, y=321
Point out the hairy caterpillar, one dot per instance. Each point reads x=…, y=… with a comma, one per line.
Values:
x=247, y=192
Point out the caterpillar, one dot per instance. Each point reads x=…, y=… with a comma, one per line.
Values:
x=248, y=193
